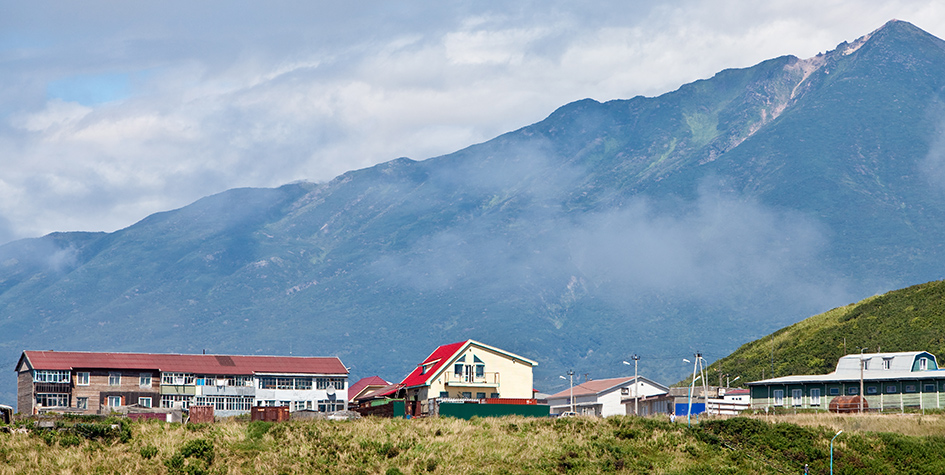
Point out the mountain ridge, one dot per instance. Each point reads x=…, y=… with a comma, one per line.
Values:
x=690, y=221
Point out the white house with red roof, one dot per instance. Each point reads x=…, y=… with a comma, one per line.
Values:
x=88, y=382
x=469, y=370
x=604, y=397
x=366, y=385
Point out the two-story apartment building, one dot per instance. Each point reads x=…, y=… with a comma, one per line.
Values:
x=891, y=381
x=88, y=382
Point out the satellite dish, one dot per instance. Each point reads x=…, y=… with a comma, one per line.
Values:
x=331, y=390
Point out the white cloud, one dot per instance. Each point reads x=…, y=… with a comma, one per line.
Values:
x=220, y=96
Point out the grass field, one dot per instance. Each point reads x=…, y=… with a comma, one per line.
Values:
x=513, y=445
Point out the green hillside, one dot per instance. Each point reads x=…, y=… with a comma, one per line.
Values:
x=902, y=320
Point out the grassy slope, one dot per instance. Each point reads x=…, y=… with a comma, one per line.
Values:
x=901, y=320
x=505, y=445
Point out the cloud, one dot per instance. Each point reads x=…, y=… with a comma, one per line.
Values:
x=111, y=112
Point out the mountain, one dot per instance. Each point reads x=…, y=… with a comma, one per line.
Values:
x=909, y=319
x=692, y=221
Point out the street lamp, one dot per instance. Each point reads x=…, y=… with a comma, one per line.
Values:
x=831, y=450
x=571, y=376
x=636, y=399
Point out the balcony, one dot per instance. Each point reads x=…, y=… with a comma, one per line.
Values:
x=60, y=388
x=487, y=380
x=227, y=390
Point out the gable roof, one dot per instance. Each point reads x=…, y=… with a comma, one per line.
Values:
x=443, y=355
x=197, y=364
x=594, y=386
x=601, y=386
x=362, y=384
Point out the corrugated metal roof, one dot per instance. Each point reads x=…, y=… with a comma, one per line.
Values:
x=197, y=364
x=848, y=369
x=595, y=386
x=433, y=363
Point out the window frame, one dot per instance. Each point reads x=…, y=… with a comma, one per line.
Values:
x=142, y=404
x=144, y=380
x=82, y=378
x=815, y=396
x=112, y=399
x=114, y=378
x=797, y=397
x=778, y=396
x=82, y=403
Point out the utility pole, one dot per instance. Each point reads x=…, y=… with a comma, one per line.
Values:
x=862, y=364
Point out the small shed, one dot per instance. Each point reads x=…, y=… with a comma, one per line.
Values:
x=201, y=414
x=842, y=404
x=270, y=413
x=6, y=414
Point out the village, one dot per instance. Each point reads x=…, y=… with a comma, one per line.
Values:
x=464, y=379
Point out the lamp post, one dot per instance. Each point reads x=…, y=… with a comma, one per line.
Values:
x=636, y=399
x=728, y=383
x=571, y=376
x=831, y=450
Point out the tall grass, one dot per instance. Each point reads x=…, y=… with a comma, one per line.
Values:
x=510, y=445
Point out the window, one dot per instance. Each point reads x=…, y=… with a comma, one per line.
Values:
x=299, y=405
x=834, y=391
x=930, y=388
x=467, y=394
x=82, y=402
x=815, y=396
x=480, y=395
x=866, y=363
x=624, y=391
x=177, y=379
x=923, y=364
x=853, y=390
x=52, y=400
x=48, y=376
x=444, y=394
x=910, y=388
x=114, y=379
x=887, y=363
x=176, y=400
x=778, y=397
x=82, y=379
x=144, y=380
x=458, y=369
x=891, y=389
x=797, y=397
x=494, y=395
x=872, y=390
x=144, y=401
x=480, y=371
x=114, y=401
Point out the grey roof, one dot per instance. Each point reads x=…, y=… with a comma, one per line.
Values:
x=901, y=366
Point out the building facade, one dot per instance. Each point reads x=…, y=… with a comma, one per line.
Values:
x=468, y=370
x=606, y=397
x=86, y=382
x=891, y=381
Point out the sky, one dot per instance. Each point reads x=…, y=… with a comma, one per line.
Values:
x=114, y=110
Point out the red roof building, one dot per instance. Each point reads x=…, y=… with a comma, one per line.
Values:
x=88, y=382
x=468, y=370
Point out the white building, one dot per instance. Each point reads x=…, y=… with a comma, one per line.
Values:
x=604, y=397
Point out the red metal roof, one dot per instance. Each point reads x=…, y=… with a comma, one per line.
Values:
x=438, y=358
x=198, y=364
x=375, y=381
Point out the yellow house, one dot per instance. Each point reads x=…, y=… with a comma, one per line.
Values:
x=470, y=370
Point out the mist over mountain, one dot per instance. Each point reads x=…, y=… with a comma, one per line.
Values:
x=693, y=221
